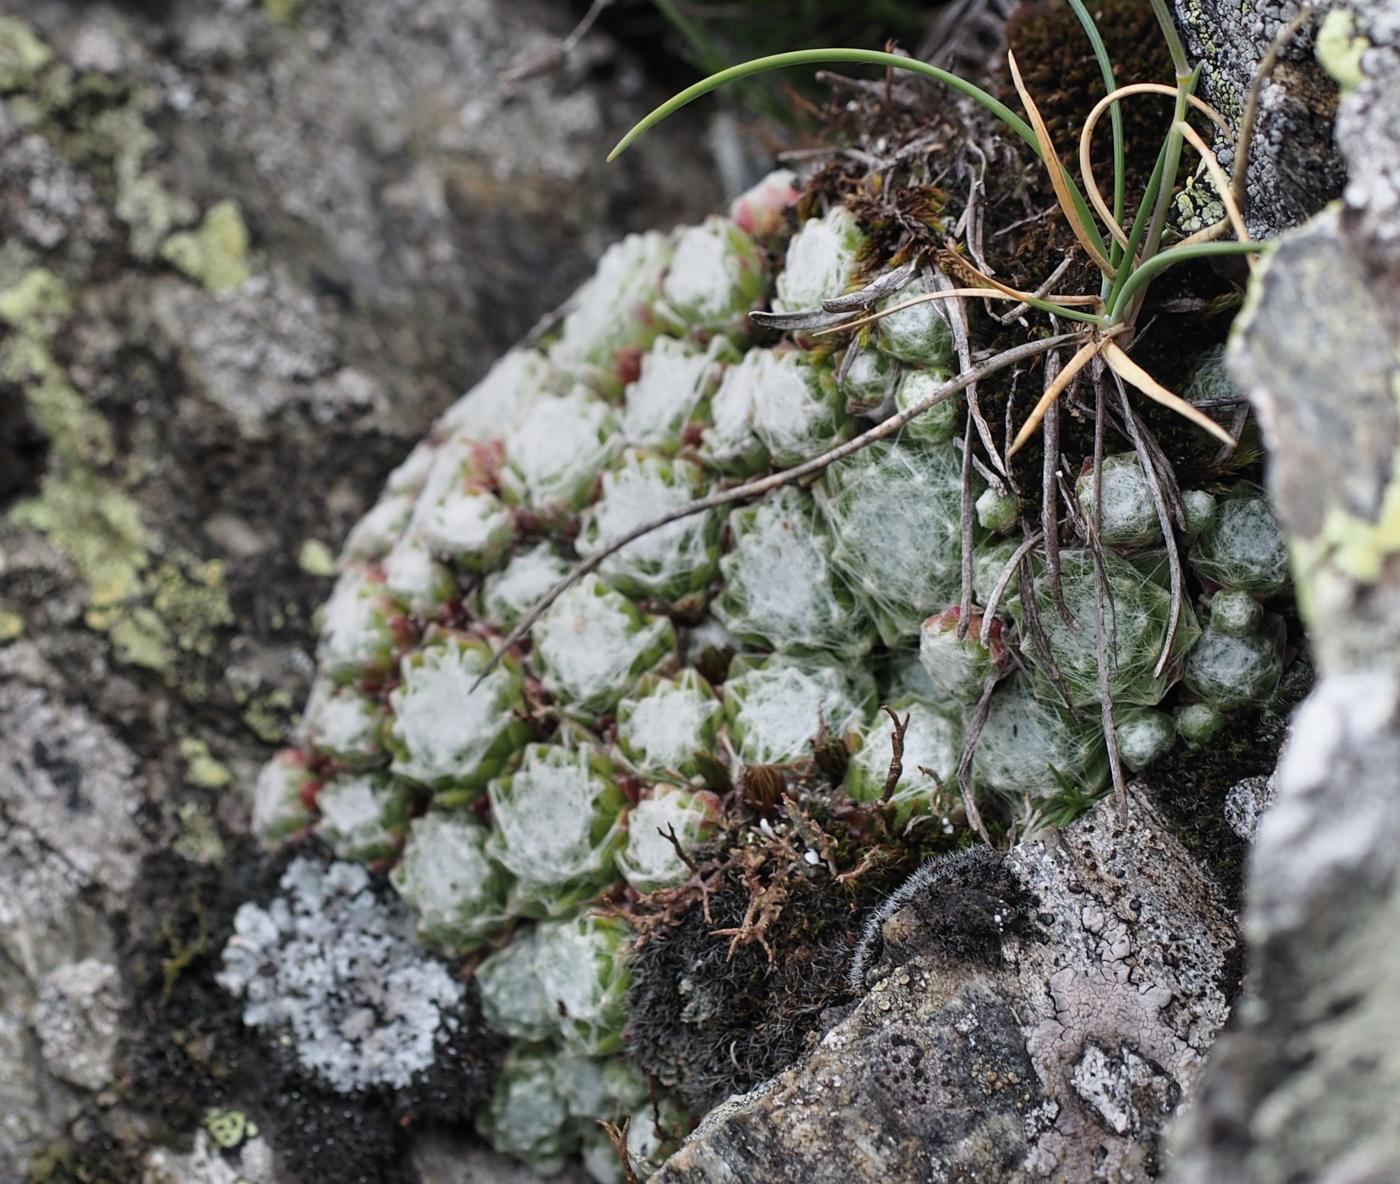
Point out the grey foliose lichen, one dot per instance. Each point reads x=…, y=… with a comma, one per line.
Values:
x=330, y=966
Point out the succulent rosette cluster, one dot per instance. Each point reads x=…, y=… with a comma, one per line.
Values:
x=514, y=802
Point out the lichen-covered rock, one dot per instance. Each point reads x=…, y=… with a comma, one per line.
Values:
x=1007, y=1034
x=1297, y=1088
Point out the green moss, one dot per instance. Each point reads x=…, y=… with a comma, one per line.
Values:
x=201, y=767
x=22, y=54
x=216, y=253
x=1339, y=49
x=315, y=558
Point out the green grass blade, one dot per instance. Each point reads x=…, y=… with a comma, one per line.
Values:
x=1135, y=235
x=814, y=57
x=1153, y=267
x=1169, y=31
x=1091, y=31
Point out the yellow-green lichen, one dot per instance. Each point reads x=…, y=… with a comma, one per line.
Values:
x=11, y=625
x=22, y=54
x=229, y=1128
x=138, y=635
x=1339, y=48
x=315, y=558
x=202, y=769
x=199, y=840
x=216, y=253
x=99, y=528
x=143, y=202
x=1348, y=550
x=189, y=595
x=267, y=716
x=284, y=12
x=36, y=307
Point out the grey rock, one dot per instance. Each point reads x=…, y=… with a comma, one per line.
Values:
x=71, y=783
x=1300, y=1088
x=1294, y=166
x=76, y=1019
x=406, y=220
x=1038, y=1016
x=252, y=1162
x=1245, y=805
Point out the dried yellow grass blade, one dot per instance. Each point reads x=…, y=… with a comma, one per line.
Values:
x=1077, y=363
x=1058, y=181
x=955, y=262
x=1221, y=183
x=998, y=293
x=1086, y=138
x=1133, y=374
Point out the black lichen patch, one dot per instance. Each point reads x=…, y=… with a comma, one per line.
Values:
x=708, y=1024
x=189, y=1050
x=956, y=908
x=23, y=448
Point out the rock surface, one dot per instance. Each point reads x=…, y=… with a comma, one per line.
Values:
x=1294, y=166
x=247, y=253
x=1300, y=1088
x=1034, y=1016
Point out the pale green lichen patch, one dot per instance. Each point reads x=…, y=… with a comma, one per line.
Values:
x=214, y=254
x=315, y=558
x=202, y=769
x=1340, y=48
x=22, y=54
x=11, y=626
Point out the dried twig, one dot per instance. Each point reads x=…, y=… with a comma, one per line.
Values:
x=895, y=280
x=975, y=723
x=1159, y=502
x=531, y=65
x=1013, y=565
x=617, y=1136
x=957, y=322
x=1041, y=293
x=896, y=752
x=965, y=508
x=1049, y=495
x=669, y=834
x=1101, y=593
